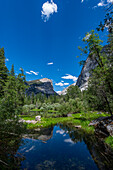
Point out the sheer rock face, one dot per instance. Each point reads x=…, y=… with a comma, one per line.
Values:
x=44, y=86
x=82, y=81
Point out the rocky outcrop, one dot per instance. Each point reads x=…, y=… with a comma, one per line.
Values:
x=103, y=126
x=82, y=81
x=90, y=64
x=44, y=86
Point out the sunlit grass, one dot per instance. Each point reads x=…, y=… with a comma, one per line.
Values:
x=39, y=110
x=82, y=119
x=109, y=141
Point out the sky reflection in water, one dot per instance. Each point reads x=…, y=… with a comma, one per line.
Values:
x=59, y=152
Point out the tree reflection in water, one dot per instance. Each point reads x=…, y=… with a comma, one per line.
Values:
x=10, y=141
x=101, y=153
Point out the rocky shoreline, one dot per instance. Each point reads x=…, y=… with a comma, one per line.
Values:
x=103, y=126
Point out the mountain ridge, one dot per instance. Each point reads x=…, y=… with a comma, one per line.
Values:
x=44, y=86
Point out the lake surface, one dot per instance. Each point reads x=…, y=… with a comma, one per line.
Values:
x=61, y=147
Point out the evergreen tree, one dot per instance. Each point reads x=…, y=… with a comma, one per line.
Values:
x=3, y=71
x=73, y=92
x=13, y=99
x=32, y=98
x=12, y=70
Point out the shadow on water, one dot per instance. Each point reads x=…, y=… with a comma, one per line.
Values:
x=10, y=141
x=58, y=147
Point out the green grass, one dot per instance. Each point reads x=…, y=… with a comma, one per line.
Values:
x=82, y=119
x=89, y=115
x=46, y=122
x=39, y=110
x=36, y=110
x=26, y=117
x=109, y=141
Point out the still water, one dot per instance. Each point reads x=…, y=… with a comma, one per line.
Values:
x=62, y=148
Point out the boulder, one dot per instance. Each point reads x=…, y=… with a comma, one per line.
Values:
x=78, y=126
x=96, y=121
x=110, y=128
x=103, y=126
x=38, y=118
x=69, y=115
x=31, y=121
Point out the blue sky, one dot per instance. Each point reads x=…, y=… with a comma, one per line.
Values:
x=43, y=37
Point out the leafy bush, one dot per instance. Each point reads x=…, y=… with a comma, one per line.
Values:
x=26, y=108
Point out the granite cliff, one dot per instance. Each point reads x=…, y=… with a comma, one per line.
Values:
x=82, y=81
x=44, y=86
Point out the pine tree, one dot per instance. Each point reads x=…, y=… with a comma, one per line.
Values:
x=14, y=95
x=3, y=71
x=12, y=70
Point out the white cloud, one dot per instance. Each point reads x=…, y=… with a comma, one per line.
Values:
x=82, y=1
x=103, y=3
x=59, y=84
x=32, y=72
x=28, y=72
x=66, y=84
x=6, y=59
x=50, y=63
x=109, y=1
x=68, y=76
x=48, y=8
x=36, y=73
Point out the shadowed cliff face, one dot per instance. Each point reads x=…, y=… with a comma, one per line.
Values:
x=90, y=64
x=44, y=86
x=82, y=81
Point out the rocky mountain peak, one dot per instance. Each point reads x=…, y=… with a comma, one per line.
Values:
x=44, y=86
